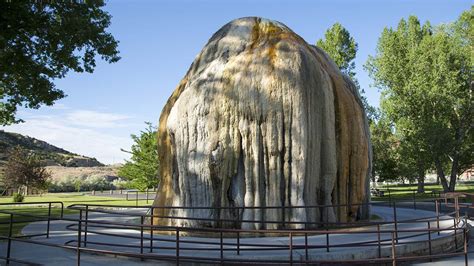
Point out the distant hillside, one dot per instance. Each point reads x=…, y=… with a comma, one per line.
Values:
x=51, y=155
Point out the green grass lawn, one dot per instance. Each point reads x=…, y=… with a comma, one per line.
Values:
x=42, y=210
x=405, y=192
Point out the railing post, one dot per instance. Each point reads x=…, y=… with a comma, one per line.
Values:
x=151, y=228
x=49, y=220
x=238, y=221
x=222, y=247
x=177, y=245
x=126, y=195
x=290, y=236
x=327, y=216
x=10, y=234
x=146, y=195
x=79, y=233
x=136, y=199
x=378, y=241
x=429, y=239
x=394, y=252
x=62, y=210
x=455, y=232
x=395, y=221
x=437, y=216
x=456, y=208
x=141, y=236
x=466, y=261
x=414, y=199
x=327, y=241
x=86, y=223
x=306, y=247
x=389, y=195
x=283, y=216
x=238, y=242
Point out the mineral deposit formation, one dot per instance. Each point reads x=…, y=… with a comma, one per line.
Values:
x=263, y=118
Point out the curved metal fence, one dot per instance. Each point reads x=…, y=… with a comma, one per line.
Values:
x=130, y=232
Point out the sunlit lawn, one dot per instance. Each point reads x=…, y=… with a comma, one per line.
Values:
x=42, y=210
x=402, y=191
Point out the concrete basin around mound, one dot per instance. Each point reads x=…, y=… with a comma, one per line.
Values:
x=410, y=243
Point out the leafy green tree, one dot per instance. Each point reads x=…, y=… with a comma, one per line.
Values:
x=396, y=157
x=425, y=78
x=25, y=170
x=413, y=160
x=41, y=41
x=342, y=48
x=384, y=145
x=142, y=169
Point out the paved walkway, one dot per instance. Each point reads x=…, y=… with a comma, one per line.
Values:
x=60, y=234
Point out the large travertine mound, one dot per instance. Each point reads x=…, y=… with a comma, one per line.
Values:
x=263, y=119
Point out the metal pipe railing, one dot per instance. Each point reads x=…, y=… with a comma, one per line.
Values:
x=86, y=226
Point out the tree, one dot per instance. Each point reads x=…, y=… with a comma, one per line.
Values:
x=24, y=170
x=41, y=41
x=384, y=145
x=342, y=48
x=142, y=169
x=413, y=160
x=396, y=157
x=424, y=76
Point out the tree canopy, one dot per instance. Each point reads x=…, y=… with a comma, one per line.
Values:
x=341, y=47
x=142, y=169
x=41, y=41
x=424, y=74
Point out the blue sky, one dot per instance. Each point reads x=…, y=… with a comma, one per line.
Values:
x=160, y=39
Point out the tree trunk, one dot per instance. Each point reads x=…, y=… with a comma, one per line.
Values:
x=441, y=176
x=421, y=182
x=455, y=162
x=454, y=172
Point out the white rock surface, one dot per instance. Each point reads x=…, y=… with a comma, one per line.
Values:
x=263, y=119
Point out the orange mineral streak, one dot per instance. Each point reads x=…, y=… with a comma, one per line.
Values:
x=352, y=142
x=165, y=157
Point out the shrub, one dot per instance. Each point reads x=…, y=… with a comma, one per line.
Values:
x=84, y=182
x=66, y=184
x=78, y=184
x=120, y=183
x=17, y=197
x=95, y=182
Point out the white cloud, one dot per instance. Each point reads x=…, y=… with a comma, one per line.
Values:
x=90, y=133
x=94, y=119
